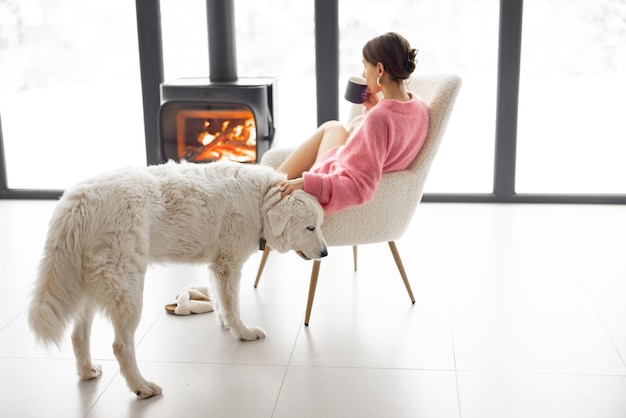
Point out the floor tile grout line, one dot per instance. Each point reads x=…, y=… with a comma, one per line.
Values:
x=454, y=363
x=608, y=334
x=287, y=367
x=106, y=387
x=540, y=373
x=599, y=314
x=13, y=318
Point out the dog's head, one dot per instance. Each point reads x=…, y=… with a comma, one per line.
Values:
x=294, y=223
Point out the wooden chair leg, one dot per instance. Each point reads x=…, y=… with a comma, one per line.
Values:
x=396, y=256
x=266, y=253
x=309, y=305
x=354, y=255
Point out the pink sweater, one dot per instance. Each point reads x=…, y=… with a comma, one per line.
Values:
x=391, y=135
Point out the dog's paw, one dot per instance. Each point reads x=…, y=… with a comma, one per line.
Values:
x=220, y=320
x=148, y=390
x=91, y=373
x=252, y=334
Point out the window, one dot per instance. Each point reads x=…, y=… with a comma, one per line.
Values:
x=571, y=135
x=70, y=92
x=71, y=96
x=452, y=37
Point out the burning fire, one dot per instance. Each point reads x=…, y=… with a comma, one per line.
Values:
x=224, y=136
x=235, y=143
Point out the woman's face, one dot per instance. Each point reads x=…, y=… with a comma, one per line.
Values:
x=370, y=73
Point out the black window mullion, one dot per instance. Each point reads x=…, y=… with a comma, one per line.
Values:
x=327, y=59
x=3, y=170
x=509, y=52
x=151, y=69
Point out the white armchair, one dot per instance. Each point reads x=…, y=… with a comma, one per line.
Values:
x=387, y=215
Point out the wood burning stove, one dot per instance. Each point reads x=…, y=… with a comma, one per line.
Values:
x=203, y=121
x=220, y=117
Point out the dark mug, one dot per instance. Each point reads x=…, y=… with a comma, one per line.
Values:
x=356, y=90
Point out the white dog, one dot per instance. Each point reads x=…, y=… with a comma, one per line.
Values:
x=105, y=231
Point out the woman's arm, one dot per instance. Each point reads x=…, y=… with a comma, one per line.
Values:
x=350, y=177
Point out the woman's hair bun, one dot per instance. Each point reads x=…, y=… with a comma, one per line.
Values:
x=411, y=60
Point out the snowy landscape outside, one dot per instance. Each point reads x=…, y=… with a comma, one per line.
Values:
x=71, y=104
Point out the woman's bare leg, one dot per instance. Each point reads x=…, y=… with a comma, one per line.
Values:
x=335, y=135
x=329, y=135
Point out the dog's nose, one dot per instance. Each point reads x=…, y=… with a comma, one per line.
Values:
x=324, y=252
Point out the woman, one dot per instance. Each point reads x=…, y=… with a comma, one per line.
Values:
x=342, y=166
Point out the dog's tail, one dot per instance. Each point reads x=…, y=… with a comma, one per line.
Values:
x=56, y=295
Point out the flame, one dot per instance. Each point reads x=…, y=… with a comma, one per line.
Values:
x=205, y=138
x=236, y=141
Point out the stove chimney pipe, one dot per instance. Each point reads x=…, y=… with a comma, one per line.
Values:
x=222, y=47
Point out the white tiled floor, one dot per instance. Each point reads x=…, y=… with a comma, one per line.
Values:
x=521, y=312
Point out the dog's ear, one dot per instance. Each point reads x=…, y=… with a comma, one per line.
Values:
x=278, y=218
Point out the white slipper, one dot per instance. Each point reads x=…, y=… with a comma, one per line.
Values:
x=191, y=300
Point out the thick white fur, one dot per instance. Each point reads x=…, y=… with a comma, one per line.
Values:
x=105, y=231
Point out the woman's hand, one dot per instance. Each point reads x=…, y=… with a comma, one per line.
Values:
x=287, y=187
x=371, y=100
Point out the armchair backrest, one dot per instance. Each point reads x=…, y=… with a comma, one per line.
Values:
x=388, y=214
